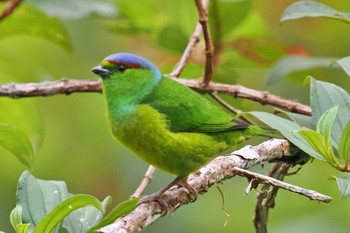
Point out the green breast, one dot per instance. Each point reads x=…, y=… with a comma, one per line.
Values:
x=146, y=132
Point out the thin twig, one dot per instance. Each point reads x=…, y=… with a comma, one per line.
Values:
x=229, y=107
x=69, y=86
x=144, y=182
x=221, y=168
x=13, y=4
x=266, y=198
x=209, y=48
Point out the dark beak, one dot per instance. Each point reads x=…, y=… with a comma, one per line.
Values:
x=104, y=73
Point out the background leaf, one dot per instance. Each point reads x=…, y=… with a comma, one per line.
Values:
x=56, y=215
x=344, y=143
x=289, y=129
x=30, y=21
x=324, y=124
x=120, y=210
x=38, y=197
x=343, y=185
x=326, y=95
x=289, y=64
x=17, y=143
x=83, y=219
x=345, y=64
x=303, y=9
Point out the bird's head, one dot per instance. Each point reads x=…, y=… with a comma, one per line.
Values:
x=125, y=65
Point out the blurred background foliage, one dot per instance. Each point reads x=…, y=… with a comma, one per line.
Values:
x=47, y=40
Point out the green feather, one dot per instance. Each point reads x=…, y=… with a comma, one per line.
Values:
x=164, y=122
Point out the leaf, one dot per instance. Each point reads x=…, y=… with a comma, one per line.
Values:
x=74, y=9
x=345, y=64
x=318, y=142
x=38, y=197
x=324, y=124
x=343, y=185
x=16, y=220
x=324, y=96
x=56, y=215
x=81, y=220
x=122, y=209
x=290, y=64
x=17, y=143
x=313, y=9
x=30, y=21
x=172, y=37
x=344, y=145
x=289, y=129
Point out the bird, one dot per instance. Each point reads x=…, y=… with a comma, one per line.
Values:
x=164, y=122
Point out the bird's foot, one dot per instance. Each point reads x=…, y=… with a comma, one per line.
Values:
x=157, y=197
x=192, y=191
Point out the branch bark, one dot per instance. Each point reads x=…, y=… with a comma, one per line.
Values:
x=68, y=86
x=221, y=168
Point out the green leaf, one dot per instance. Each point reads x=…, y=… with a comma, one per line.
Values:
x=56, y=215
x=228, y=15
x=17, y=143
x=16, y=220
x=344, y=145
x=345, y=64
x=74, y=9
x=290, y=64
x=172, y=37
x=38, y=197
x=120, y=210
x=324, y=96
x=303, y=9
x=318, y=142
x=81, y=220
x=324, y=124
x=289, y=129
x=30, y=21
x=343, y=185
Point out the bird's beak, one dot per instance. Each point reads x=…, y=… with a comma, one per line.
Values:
x=104, y=73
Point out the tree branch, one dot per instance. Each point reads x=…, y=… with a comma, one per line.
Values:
x=221, y=168
x=209, y=48
x=68, y=86
x=9, y=8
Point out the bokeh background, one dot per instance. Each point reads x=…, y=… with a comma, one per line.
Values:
x=70, y=133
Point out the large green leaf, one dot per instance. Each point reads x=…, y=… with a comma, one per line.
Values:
x=14, y=140
x=289, y=129
x=56, y=215
x=82, y=219
x=120, y=210
x=28, y=20
x=344, y=143
x=290, y=64
x=303, y=9
x=38, y=197
x=324, y=96
x=172, y=37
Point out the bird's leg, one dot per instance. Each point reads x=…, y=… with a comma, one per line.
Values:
x=180, y=181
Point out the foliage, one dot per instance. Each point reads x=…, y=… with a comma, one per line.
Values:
x=242, y=39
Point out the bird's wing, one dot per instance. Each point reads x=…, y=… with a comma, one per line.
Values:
x=188, y=111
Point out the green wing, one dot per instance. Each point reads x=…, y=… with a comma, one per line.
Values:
x=188, y=111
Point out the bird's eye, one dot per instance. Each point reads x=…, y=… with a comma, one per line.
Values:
x=121, y=68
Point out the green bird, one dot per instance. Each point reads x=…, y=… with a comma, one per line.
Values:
x=164, y=122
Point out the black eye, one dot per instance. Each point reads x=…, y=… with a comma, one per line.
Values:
x=121, y=68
